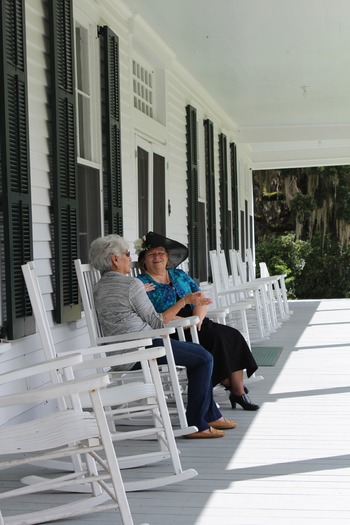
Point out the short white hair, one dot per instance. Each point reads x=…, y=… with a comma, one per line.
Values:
x=102, y=249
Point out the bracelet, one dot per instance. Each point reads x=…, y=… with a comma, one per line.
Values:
x=184, y=300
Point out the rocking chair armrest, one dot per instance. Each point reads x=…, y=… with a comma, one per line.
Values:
x=217, y=313
x=192, y=320
x=279, y=276
x=239, y=288
x=62, y=361
x=230, y=291
x=131, y=336
x=117, y=347
x=46, y=393
x=144, y=354
x=264, y=280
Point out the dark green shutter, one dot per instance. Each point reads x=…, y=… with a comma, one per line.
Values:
x=15, y=168
x=224, y=212
x=234, y=191
x=192, y=190
x=210, y=183
x=111, y=147
x=64, y=161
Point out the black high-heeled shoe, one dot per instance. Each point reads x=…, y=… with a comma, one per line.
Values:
x=244, y=401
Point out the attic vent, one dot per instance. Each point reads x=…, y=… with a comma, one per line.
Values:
x=143, y=89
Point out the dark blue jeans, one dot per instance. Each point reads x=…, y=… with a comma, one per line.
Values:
x=201, y=407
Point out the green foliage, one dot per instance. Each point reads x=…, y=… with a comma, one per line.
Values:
x=326, y=274
x=284, y=255
x=316, y=269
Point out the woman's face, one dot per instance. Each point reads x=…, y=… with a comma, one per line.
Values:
x=156, y=259
x=122, y=262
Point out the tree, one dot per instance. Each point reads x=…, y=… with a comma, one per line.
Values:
x=304, y=201
x=309, y=205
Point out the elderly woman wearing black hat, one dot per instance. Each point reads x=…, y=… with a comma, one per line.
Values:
x=166, y=286
x=122, y=306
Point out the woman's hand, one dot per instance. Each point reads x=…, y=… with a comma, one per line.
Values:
x=200, y=302
x=197, y=299
x=149, y=287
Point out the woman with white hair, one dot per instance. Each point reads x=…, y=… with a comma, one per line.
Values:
x=122, y=306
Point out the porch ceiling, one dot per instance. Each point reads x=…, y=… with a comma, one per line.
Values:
x=279, y=68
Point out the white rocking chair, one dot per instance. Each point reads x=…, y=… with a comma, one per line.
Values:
x=231, y=295
x=65, y=432
x=272, y=284
x=259, y=292
x=141, y=397
x=280, y=290
x=228, y=299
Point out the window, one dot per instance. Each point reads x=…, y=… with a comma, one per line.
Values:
x=142, y=88
x=89, y=209
x=88, y=136
x=151, y=187
x=83, y=92
x=77, y=164
x=148, y=84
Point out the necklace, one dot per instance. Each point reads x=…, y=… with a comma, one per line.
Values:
x=165, y=281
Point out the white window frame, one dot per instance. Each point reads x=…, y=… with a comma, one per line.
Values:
x=92, y=54
x=93, y=61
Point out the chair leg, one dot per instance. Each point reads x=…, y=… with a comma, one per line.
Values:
x=184, y=428
x=118, y=485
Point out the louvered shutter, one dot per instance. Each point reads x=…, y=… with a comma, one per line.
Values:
x=210, y=183
x=192, y=190
x=234, y=190
x=111, y=147
x=225, y=216
x=14, y=170
x=64, y=161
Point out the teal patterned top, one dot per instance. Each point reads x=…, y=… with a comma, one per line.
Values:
x=165, y=295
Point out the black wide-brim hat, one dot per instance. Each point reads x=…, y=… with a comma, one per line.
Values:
x=177, y=252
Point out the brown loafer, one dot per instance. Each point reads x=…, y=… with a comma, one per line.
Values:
x=224, y=424
x=213, y=433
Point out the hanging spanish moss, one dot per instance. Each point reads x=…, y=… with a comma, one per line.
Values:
x=304, y=201
x=302, y=228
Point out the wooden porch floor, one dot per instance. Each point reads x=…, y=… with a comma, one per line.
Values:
x=286, y=464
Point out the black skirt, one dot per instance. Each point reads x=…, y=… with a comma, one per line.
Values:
x=228, y=348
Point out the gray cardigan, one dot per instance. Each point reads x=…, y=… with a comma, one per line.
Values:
x=123, y=306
